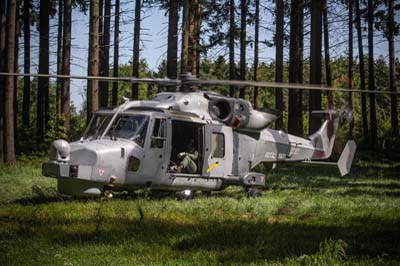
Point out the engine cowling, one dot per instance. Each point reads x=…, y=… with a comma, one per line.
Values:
x=239, y=113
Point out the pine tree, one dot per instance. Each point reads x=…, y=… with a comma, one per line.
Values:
x=371, y=75
x=136, y=42
x=116, y=54
x=9, y=148
x=392, y=69
x=43, y=115
x=27, y=64
x=279, y=40
x=295, y=111
x=364, y=114
x=66, y=64
x=172, y=51
x=256, y=30
x=315, y=63
x=243, y=44
x=93, y=85
x=232, y=37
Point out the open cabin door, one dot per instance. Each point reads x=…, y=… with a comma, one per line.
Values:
x=187, y=137
x=218, y=151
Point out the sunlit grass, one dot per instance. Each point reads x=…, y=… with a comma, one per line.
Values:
x=305, y=217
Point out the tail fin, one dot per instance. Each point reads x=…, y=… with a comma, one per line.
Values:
x=324, y=138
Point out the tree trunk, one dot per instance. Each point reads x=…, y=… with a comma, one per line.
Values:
x=66, y=65
x=198, y=32
x=185, y=38
x=328, y=76
x=243, y=23
x=9, y=149
x=16, y=53
x=89, y=69
x=136, y=40
x=350, y=70
x=392, y=72
x=192, y=37
x=116, y=55
x=294, y=113
x=59, y=56
x=172, y=51
x=371, y=75
x=315, y=63
x=364, y=114
x=27, y=65
x=43, y=83
x=232, y=67
x=279, y=41
x=256, y=33
x=105, y=66
x=101, y=52
x=300, y=68
x=93, y=88
x=3, y=31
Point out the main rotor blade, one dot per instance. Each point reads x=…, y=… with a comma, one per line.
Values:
x=292, y=86
x=202, y=82
x=159, y=81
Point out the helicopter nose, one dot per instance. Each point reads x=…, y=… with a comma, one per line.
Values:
x=60, y=151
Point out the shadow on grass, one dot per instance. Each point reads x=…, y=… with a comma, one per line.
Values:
x=37, y=200
x=234, y=240
x=362, y=179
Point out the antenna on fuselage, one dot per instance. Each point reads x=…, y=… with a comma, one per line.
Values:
x=125, y=99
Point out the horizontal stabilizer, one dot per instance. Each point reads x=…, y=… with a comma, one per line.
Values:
x=345, y=160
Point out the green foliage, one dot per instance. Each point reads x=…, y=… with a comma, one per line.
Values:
x=219, y=69
x=125, y=88
x=331, y=252
x=56, y=130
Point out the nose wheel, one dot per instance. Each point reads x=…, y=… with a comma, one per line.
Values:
x=108, y=194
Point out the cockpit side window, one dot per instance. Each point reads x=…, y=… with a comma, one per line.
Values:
x=159, y=133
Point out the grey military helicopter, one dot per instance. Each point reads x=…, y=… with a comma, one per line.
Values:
x=187, y=141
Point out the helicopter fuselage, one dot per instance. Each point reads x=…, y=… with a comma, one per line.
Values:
x=136, y=145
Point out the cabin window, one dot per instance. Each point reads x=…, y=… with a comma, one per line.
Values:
x=159, y=134
x=217, y=145
x=133, y=164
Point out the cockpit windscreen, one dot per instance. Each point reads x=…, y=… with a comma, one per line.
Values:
x=97, y=126
x=132, y=127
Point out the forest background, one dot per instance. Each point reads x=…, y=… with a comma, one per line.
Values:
x=297, y=41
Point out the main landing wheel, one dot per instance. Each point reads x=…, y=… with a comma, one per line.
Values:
x=186, y=194
x=253, y=192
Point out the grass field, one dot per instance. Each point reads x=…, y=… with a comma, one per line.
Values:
x=305, y=217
